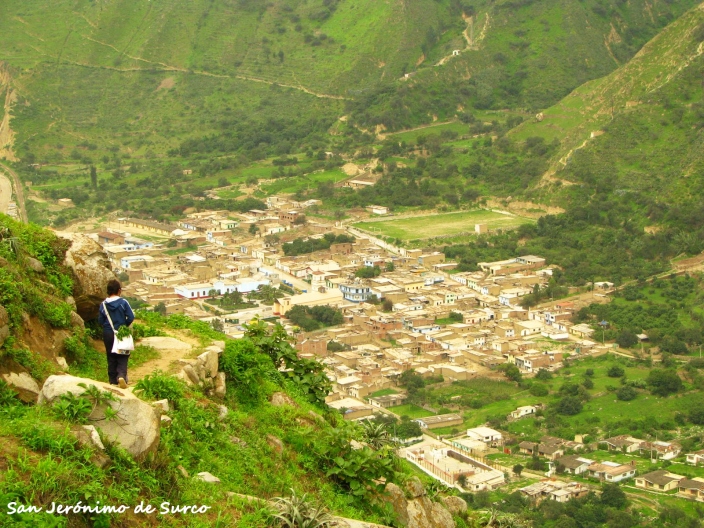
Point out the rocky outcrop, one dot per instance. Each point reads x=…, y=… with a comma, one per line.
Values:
x=203, y=370
x=136, y=426
x=20, y=380
x=4, y=325
x=418, y=511
x=91, y=273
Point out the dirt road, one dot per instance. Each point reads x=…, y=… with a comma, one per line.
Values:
x=5, y=193
x=18, y=191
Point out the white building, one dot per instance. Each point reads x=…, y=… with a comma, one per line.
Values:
x=203, y=289
x=485, y=434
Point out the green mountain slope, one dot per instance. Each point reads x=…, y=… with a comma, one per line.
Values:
x=638, y=129
x=150, y=75
x=521, y=54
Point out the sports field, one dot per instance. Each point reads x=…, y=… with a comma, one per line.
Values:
x=427, y=226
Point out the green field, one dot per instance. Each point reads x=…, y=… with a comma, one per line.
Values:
x=410, y=410
x=419, y=227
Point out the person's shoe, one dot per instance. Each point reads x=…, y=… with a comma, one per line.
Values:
x=122, y=383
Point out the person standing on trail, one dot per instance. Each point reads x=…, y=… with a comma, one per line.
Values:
x=113, y=313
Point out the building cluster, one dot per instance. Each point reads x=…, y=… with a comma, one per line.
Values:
x=413, y=311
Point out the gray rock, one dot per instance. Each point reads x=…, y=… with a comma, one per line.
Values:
x=183, y=471
x=199, y=369
x=275, y=443
x=222, y=412
x=162, y=405
x=87, y=435
x=207, y=477
x=220, y=385
x=210, y=362
x=415, y=487
x=219, y=344
x=166, y=421
x=19, y=380
x=62, y=363
x=191, y=374
x=70, y=300
x=238, y=441
x=35, y=265
x=136, y=426
x=279, y=399
x=77, y=320
x=455, y=505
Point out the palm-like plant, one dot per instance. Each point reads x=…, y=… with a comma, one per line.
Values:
x=297, y=511
x=493, y=518
x=376, y=435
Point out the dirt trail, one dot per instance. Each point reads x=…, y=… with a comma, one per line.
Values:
x=168, y=355
x=430, y=125
x=7, y=136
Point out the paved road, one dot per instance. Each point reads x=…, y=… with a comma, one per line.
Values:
x=19, y=192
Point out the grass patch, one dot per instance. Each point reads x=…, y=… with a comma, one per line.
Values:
x=410, y=410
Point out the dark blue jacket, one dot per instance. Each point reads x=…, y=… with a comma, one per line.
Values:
x=120, y=312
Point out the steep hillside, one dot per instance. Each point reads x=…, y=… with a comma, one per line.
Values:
x=639, y=129
x=522, y=55
x=145, y=76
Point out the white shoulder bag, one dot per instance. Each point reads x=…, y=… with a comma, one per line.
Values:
x=119, y=346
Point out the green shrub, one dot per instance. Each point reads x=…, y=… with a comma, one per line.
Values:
x=615, y=372
x=626, y=393
x=7, y=395
x=72, y=408
x=663, y=382
x=139, y=331
x=158, y=386
x=246, y=368
x=569, y=405
x=361, y=471
x=77, y=347
x=538, y=390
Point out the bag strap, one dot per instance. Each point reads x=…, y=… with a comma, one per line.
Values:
x=105, y=307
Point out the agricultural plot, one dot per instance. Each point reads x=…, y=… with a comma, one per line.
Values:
x=427, y=226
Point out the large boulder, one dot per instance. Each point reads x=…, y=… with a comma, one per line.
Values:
x=91, y=271
x=136, y=426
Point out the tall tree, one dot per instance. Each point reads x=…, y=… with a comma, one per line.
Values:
x=93, y=177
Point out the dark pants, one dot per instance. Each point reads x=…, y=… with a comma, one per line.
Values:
x=117, y=363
